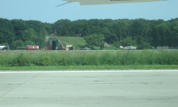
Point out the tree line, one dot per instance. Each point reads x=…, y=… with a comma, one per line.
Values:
x=139, y=32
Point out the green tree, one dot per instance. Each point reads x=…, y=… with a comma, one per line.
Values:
x=16, y=44
x=29, y=43
x=128, y=41
x=95, y=40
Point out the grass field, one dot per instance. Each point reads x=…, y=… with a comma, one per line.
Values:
x=89, y=67
x=77, y=42
x=89, y=59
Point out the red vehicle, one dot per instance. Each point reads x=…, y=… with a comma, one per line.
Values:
x=32, y=47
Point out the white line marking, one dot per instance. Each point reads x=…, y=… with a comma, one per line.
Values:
x=83, y=71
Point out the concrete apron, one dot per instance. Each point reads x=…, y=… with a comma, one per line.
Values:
x=132, y=88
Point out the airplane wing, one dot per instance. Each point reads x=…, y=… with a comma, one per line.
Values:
x=95, y=2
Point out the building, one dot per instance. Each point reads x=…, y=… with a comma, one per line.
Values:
x=128, y=47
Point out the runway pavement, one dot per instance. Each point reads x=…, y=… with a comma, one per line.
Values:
x=101, y=88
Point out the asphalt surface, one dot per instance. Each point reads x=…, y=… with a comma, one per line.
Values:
x=133, y=88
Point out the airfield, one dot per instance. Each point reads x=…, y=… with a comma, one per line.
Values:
x=99, y=88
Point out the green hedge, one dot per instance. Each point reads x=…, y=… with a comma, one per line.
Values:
x=70, y=58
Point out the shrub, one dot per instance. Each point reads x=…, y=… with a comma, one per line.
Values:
x=20, y=60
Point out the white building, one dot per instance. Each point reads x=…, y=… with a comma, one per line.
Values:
x=128, y=47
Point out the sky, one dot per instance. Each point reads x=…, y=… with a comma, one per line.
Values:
x=46, y=10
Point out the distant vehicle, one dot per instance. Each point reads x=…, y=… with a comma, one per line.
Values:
x=162, y=47
x=3, y=47
x=86, y=48
x=32, y=47
x=68, y=47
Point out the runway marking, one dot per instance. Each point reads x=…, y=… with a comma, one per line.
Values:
x=84, y=71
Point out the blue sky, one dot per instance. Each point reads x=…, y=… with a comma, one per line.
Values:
x=46, y=10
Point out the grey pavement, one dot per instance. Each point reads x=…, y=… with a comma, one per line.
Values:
x=89, y=89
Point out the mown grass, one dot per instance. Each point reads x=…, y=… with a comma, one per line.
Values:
x=89, y=67
x=88, y=58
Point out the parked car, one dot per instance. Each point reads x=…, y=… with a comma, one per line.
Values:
x=3, y=47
